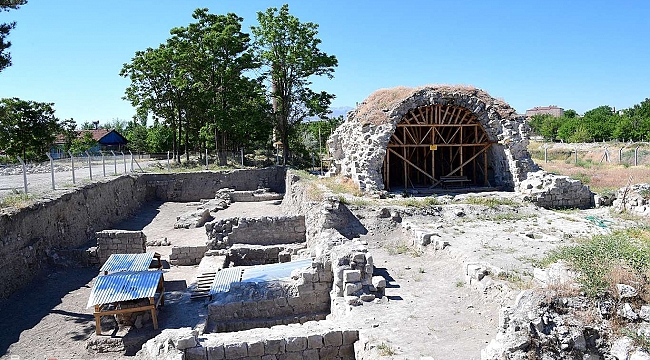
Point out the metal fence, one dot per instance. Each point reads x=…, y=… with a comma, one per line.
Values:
x=626, y=154
x=56, y=174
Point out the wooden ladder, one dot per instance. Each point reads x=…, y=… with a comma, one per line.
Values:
x=203, y=285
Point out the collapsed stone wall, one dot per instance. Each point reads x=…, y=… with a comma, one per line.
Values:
x=554, y=192
x=250, y=255
x=119, y=242
x=635, y=198
x=250, y=305
x=267, y=230
x=311, y=340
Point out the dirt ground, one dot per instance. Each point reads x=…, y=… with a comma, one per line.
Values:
x=429, y=309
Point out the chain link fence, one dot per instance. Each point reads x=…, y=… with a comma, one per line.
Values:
x=626, y=154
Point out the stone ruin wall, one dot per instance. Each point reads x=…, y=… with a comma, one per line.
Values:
x=304, y=298
x=311, y=340
x=359, y=145
x=119, y=242
x=264, y=231
x=635, y=199
x=71, y=219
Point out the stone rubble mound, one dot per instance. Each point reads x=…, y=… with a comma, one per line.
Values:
x=552, y=191
x=635, y=199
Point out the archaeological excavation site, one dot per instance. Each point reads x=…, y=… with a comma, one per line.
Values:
x=424, y=240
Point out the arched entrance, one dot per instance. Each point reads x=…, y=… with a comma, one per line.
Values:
x=437, y=146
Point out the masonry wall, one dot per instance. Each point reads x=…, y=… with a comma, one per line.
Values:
x=312, y=340
x=119, y=242
x=187, y=255
x=267, y=230
x=71, y=219
x=305, y=299
x=204, y=185
x=68, y=221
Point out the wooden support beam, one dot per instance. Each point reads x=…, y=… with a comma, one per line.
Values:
x=470, y=159
x=406, y=161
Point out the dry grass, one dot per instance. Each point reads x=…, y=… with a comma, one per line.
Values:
x=601, y=178
x=342, y=185
x=375, y=109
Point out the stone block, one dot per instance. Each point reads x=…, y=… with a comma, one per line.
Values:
x=296, y=344
x=215, y=352
x=269, y=357
x=346, y=352
x=333, y=338
x=274, y=346
x=196, y=353
x=329, y=352
x=311, y=354
x=352, y=288
x=290, y=356
x=314, y=342
x=236, y=351
x=256, y=349
x=350, y=276
x=350, y=336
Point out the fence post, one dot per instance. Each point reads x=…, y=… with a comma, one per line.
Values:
x=103, y=164
x=636, y=156
x=168, y=166
x=620, y=155
x=131, y=160
x=206, y=159
x=124, y=160
x=242, y=156
x=72, y=161
x=545, y=154
x=114, y=162
x=51, y=169
x=576, y=155
x=90, y=166
x=24, y=172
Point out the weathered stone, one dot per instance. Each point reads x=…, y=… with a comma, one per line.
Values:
x=314, y=341
x=378, y=282
x=627, y=312
x=295, y=344
x=333, y=338
x=350, y=276
x=256, y=349
x=626, y=291
x=236, y=350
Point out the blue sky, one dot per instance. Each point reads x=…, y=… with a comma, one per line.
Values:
x=574, y=54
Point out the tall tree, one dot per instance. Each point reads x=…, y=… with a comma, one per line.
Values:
x=290, y=52
x=6, y=5
x=27, y=128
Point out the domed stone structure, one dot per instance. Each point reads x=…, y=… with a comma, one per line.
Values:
x=440, y=136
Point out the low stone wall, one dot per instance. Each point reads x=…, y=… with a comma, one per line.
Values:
x=119, y=242
x=203, y=185
x=248, y=255
x=556, y=192
x=250, y=305
x=312, y=340
x=255, y=231
x=254, y=196
x=187, y=255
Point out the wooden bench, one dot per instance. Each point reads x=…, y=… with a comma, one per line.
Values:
x=453, y=181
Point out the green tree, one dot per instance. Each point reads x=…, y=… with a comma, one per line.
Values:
x=84, y=143
x=27, y=128
x=600, y=123
x=116, y=124
x=570, y=113
x=634, y=124
x=159, y=138
x=5, y=29
x=290, y=52
x=137, y=135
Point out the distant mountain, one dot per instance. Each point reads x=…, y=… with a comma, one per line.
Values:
x=336, y=112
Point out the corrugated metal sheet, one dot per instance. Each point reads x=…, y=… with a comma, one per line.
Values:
x=272, y=272
x=224, y=278
x=123, y=286
x=127, y=262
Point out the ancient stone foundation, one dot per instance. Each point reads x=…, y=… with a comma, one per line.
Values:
x=311, y=340
x=249, y=305
x=120, y=242
x=187, y=255
x=263, y=231
x=556, y=192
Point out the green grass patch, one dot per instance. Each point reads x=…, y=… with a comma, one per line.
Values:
x=598, y=258
x=419, y=202
x=16, y=200
x=582, y=177
x=491, y=202
x=385, y=350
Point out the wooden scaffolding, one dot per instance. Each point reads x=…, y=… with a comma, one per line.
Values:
x=437, y=146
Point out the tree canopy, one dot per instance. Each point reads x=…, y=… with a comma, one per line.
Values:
x=27, y=128
x=289, y=50
x=598, y=124
x=5, y=29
